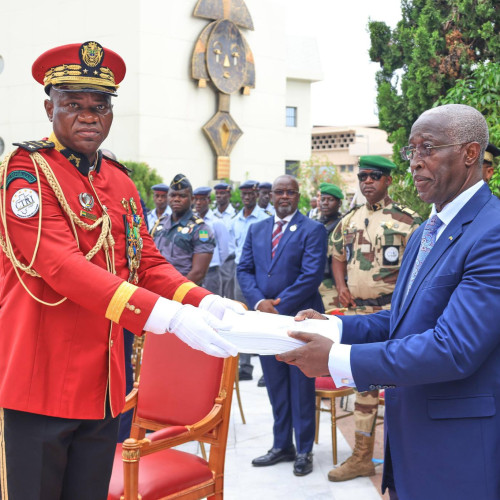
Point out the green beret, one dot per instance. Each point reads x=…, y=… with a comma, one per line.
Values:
x=332, y=189
x=374, y=162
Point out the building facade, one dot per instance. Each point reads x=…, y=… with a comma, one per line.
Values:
x=160, y=111
x=342, y=147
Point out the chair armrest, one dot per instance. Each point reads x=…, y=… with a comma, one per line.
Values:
x=157, y=441
x=131, y=400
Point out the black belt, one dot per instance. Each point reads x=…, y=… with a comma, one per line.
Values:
x=379, y=301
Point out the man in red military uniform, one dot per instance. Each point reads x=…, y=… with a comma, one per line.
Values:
x=77, y=266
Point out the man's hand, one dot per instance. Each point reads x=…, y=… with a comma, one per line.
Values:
x=311, y=358
x=267, y=306
x=216, y=305
x=309, y=314
x=345, y=297
x=197, y=329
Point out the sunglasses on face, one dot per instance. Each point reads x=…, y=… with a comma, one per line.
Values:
x=374, y=176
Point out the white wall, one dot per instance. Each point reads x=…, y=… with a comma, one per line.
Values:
x=160, y=111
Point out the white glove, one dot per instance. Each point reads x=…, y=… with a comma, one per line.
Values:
x=216, y=305
x=197, y=329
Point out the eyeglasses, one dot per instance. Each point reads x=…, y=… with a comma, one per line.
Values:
x=374, y=176
x=282, y=192
x=408, y=152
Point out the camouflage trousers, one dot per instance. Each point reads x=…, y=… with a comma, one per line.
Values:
x=329, y=295
x=366, y=404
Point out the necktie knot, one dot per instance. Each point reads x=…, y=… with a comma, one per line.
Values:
x=433, y=224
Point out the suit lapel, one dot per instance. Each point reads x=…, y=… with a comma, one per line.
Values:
x=296, y=221
x=450, y=237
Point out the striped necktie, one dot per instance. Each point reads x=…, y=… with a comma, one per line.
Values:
x=426, y=245
x=277, y=234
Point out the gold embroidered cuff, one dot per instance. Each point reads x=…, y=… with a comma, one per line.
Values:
x=182, y=291
x=119, y=300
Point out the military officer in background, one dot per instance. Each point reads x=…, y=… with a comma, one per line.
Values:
x=264, y=198
x=489, y=161
x=248, y=215
x=226, y=213
x=77, y=265
x=183, y=238
x=367, y=247
x=329, y=205
x=160, y=199
x=212, y=279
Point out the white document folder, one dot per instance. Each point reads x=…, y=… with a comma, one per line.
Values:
x=256, y=332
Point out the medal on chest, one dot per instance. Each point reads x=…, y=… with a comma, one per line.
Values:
x=133, y=244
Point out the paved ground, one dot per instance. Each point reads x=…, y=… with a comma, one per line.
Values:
x=245, y=482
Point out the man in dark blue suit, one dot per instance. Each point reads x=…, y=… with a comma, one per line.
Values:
x=280, y=270
x=437, y=352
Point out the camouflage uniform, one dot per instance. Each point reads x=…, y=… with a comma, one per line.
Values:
x=178, y=241
x=327, y=289
x=372, y=239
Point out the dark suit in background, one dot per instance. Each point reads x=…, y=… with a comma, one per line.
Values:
x=293, y=275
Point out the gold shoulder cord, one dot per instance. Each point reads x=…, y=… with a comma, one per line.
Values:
x=344, y=221
x=105, y=239
x=153, y=230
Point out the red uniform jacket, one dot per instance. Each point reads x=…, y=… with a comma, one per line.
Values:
x=61, y=361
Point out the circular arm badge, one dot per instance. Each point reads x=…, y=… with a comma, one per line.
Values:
x=25, y=203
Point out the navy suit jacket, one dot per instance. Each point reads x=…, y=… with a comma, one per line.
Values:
x=438, y=353
x=296, y=271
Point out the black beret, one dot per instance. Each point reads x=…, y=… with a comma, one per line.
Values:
x=180, y=181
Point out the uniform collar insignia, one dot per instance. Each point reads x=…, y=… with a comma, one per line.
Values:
x=78, y=160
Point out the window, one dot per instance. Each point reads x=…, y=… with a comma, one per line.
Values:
x=291, y=167
x=350, y=168
x=291, y=116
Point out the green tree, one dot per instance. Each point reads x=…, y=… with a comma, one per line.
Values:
x=436, y=43
x=144, y=178
x=311, y=174
x=480, y=90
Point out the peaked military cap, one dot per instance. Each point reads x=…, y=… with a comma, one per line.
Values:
x=180, y=181
x=160, y=187
x=86, y=67
x=265, y=185
x=491, y=152
x=202, y=191
x=331, y=189
x=374, y=162
x=249, y=185
x=222, y=186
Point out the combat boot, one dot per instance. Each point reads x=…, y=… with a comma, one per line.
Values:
x=359, y=463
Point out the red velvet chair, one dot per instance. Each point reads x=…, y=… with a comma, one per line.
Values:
x=183, y=395
x=326, y=389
